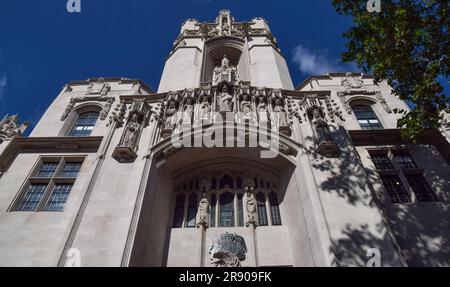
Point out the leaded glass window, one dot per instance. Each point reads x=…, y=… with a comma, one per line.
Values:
x=226, y=212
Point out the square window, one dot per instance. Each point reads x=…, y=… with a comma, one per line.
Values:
x=395, y=189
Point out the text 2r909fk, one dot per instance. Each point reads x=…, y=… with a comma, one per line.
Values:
x=247, y=277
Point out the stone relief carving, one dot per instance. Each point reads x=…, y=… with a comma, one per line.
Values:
x=383, y=103
x=75, y=100
x=98, y=88
x=228, y=250
x=352, y=82
x=9, y=127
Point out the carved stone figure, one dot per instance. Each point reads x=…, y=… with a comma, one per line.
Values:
x=262, y=111
x=225, y=73
x=321, y=129
x=205, y=108
x=9, y=126
x=171, y=116
x=246, y=107
x=225, y=100
x=251, y=209
x=188, y=112
x=131, y=133
x=280, y=113
x=203, y=212
x=228, y=250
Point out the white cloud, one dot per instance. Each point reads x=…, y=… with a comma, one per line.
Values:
x=318, y=62
x=3, y=83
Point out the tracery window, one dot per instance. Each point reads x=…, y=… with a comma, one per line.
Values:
x=262, y=212
x=227, y=200
x=84, y=125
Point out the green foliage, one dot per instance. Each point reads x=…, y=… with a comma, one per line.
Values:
x=408, y=45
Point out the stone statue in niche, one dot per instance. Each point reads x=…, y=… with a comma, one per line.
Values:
x=246, y=106
x=225, y=100
x=188, y=112
x=203, y=211
x=320, y=127
x=131, y=133
x=280, y=113
x=205, y=108
x=251, y=209
x=171, y=116
x=262, y=111
x=225, y=73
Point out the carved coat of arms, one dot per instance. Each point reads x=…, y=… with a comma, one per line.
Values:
x=228, y=250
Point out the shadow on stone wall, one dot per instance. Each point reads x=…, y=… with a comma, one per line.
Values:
x=421, y=230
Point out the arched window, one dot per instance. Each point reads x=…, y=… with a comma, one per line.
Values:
x=212, y=222
x=367, y=118
x=262, y=212
x=240, y=211
x=192, y=210
x=274, y=209
x=179, y=211
x=84, y=125
x=226, y=212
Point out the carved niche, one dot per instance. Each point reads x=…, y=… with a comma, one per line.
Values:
x=228, y=250
x=323, y=137
x=129, y=142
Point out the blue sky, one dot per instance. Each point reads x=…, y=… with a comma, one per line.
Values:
x=42, y=46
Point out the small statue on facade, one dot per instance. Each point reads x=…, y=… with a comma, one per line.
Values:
x=131, y=132
x=205, y=108
x=281, y=113
x=225, y=100
x=203, y=211
x=262, y=111
x=251, y=209
x=171, y=116
x=246, y=107
x=188, y=112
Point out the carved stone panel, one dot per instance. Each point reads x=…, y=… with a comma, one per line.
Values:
x=228, y=250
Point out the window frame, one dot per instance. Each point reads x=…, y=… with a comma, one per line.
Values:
x=50, y=183
x=369, y=109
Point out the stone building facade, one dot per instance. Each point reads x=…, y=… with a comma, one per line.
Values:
x=227, y=164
